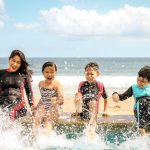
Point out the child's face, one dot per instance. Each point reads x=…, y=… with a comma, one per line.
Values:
x=49, y=73
x=142, y=81
x=91, y=74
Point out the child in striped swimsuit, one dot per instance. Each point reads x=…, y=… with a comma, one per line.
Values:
x=51, y=98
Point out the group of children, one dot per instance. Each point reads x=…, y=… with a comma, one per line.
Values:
x=86, y=100
x=88, y=96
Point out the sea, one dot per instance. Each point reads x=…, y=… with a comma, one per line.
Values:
x=117, y=74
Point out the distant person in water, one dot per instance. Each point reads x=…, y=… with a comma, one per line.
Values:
x=141, y=93
x=89, y=93
x=52, y=98
x=13, y=81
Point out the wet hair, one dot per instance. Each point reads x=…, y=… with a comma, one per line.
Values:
x=24, y=68
x=93, y=65
x=145, y=72
x=49, y=64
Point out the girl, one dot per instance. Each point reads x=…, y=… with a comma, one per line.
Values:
x=13, y=81
x=51, y=98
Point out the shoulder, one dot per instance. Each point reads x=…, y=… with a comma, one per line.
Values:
x=41, y=83
x=57, y=83
x=2, y=71
x=82, y=82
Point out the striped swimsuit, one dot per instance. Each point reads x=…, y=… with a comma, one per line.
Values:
x=46, y=95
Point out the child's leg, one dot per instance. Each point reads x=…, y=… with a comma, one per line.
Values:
x=51, y=117
x=93, y=112
x=142, y=131
x=78, y=102
x=37, y=119
x=91, y=129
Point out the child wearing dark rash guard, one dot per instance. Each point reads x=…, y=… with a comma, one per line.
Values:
x=88, y=96
x=13, y=82
x=141, y=94
x=51, y=98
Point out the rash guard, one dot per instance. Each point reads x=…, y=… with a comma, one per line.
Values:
x=12, y=86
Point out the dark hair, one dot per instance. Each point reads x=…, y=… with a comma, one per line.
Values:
x=145, y=72
x=49, y=64
x=24, y=68
x=93, y=65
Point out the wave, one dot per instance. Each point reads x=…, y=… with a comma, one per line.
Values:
x=70, y=83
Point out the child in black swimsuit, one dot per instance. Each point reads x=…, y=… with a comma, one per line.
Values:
x=89, y=94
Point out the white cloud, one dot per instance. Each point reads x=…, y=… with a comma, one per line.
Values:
x=25, y=26
x=128, y=20
x=1, y=5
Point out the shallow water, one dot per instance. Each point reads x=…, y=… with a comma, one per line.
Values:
x=18, y=137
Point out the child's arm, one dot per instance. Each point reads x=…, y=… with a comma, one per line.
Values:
x=128, y=93
x=60, y=98
x=105, y=97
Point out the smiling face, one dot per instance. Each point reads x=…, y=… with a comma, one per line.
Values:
x=49, y=73
x=91, y=74
x=14, y=63
x=142, y=82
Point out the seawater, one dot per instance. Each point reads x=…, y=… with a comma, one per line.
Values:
x=117, y=74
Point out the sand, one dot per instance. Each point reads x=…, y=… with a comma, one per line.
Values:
x=120, y=108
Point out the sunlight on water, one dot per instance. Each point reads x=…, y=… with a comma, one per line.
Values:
x=19, y=138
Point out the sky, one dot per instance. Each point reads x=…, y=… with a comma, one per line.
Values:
x=75, y=28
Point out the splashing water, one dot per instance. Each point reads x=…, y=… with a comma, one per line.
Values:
x=19, y=137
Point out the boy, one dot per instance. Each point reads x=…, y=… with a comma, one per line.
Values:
x=89, y=93
x=141, y=93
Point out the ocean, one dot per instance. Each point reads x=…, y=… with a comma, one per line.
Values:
x=117, y=74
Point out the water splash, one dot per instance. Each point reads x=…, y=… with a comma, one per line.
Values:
x=19, y=137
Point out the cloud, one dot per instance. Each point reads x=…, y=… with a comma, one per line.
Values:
x=26, y=26
x=126, y=21
x=2, y=15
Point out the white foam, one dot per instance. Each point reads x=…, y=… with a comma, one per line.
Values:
x=70, y=83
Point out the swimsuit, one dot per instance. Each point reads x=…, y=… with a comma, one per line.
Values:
x=141, y=103
x=46, y=95
x=90, y=91
x=12, y=85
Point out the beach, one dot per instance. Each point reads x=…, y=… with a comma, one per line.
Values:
x=121, y=108
x=126, y=107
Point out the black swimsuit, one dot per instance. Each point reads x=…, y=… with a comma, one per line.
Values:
x=12, y=86
x=90, y=92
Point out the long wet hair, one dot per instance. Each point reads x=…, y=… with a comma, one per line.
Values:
x=24, y=68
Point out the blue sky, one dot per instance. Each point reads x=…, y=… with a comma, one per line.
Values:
x=75, y=28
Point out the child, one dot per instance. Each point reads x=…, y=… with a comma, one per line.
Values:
x=51, y=98
x=141, y=93
x=89, y=93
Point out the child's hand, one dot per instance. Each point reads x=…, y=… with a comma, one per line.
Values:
x=115, y=97
x=78, y=97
